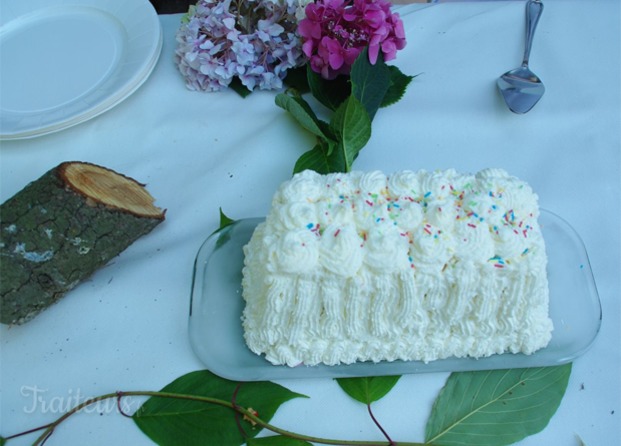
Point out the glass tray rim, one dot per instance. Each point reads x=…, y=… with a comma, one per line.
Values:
x=216, y=335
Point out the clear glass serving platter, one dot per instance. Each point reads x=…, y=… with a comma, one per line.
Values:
x=216, y=306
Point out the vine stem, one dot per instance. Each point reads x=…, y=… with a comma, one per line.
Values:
x=377, y=423
x=48, y=429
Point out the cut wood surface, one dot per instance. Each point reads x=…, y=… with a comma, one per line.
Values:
x=61, y=228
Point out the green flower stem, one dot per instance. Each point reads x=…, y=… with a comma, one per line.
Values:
x=48, y=429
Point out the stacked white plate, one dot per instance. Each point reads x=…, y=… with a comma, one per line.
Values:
x=63, y=62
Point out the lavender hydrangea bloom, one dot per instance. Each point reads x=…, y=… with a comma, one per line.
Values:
x=254, y=40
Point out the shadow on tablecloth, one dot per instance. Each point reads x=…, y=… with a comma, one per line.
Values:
x=171, y=6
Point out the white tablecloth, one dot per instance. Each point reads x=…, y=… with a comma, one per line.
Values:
x=126, y=327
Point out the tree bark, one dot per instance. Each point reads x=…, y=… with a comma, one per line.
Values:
x=61, y=228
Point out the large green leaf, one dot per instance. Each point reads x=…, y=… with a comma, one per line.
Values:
x=297, y=78
x=352, y=124
x=316, y=159
x=301, y=112
x=369, y=83
x=367, y=390
x=398, y=84
x=330, y=93
x=182, y=422
x=277, y=440
x=497, y=407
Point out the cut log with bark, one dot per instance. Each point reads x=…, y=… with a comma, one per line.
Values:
x=61, y=228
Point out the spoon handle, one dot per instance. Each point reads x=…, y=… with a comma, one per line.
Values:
x=534, y=8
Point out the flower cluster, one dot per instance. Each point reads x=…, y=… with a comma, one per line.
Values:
x=253, y=40
x=334, y=33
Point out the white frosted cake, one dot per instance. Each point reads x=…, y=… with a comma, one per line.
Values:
x=411, y=266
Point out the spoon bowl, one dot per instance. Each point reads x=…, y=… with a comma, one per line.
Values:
x=521, y=88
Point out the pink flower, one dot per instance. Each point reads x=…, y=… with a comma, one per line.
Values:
x=334, y=33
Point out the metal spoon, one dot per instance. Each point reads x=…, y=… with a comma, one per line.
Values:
x=521, y=88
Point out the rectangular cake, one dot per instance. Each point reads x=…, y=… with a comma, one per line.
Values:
x=412, y=266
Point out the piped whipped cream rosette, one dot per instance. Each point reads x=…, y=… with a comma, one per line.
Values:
x=410, y=266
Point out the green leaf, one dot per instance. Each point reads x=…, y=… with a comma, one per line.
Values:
x=315, y=159
x=239, y=88
x=398, y=84
x=185, y=19
x=368, y=390
x=301, y=112
x=183, y=422
x=369, y=82
x=352, y=124
x=2, y=441
x=355, y=100
x=337, y=161
x=224, y=220
x=297, y=78
x=497, y=407
x=330, y=93
x=224, y=236
x=277, y=440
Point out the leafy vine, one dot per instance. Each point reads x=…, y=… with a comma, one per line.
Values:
x=201, y=405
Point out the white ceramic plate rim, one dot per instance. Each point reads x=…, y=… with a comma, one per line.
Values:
x=141, y=36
